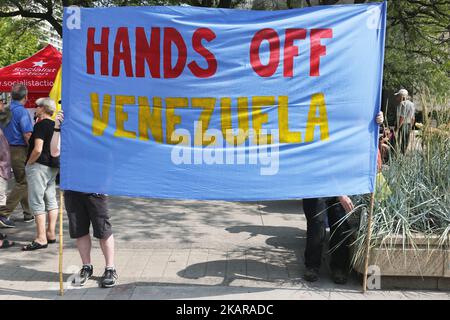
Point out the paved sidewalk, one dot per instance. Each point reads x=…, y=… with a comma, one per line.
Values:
x=172, y=249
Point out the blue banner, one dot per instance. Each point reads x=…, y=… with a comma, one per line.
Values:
x=199, y=103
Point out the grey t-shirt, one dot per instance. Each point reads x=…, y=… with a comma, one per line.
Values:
x=406, y=111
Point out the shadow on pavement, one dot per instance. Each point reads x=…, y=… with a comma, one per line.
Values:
x=262, y=265
x=281, y=206
x=236, y=269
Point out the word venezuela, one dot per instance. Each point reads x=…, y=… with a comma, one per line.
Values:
x=153, y=51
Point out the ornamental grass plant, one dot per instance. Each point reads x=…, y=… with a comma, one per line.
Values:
x=418, y=205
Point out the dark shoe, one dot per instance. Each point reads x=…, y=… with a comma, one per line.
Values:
x=84, y=275
x=311, y=274
x=50, y=240
x=6, y=244
x=6, y=223
x=34, y=246
x=339, y=276
x=28, y=218
x=109, y=278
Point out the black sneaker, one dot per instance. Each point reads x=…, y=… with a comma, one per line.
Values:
x=109, y=278
x=311, y=274
x=84, y=275
x=6, y=223
x=339, y=276
x=28, y=218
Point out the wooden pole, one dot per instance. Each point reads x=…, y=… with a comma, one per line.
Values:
x=61, y=283
x=369, y=235
x=369, y=223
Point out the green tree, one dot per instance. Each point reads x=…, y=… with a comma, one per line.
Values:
x=17, y=41
x=50, y=10
x=418, y=45
x=417, y=42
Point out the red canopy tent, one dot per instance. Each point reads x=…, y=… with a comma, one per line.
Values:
x=36, y=72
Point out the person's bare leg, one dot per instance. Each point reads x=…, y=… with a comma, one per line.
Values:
x=51, y=227
x=84, y=248
x=107, y=246
x=41, y=237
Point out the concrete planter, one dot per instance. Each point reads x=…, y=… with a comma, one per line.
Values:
x=420, y=264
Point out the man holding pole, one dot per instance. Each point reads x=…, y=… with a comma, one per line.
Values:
x=82, y=210
x=333, y=209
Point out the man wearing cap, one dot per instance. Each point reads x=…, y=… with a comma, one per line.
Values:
x=405, y=119
x=41, y=170
x=17, y=132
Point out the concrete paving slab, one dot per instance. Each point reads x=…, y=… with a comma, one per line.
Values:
x=173, y=249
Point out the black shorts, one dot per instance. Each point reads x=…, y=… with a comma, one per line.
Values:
x=84, y=209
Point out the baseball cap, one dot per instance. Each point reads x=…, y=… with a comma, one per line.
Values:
x=402, y=92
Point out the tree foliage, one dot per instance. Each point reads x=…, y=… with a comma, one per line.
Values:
x=17, y=41
x=418, y=45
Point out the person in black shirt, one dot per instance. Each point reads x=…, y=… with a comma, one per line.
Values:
x=41, y=170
